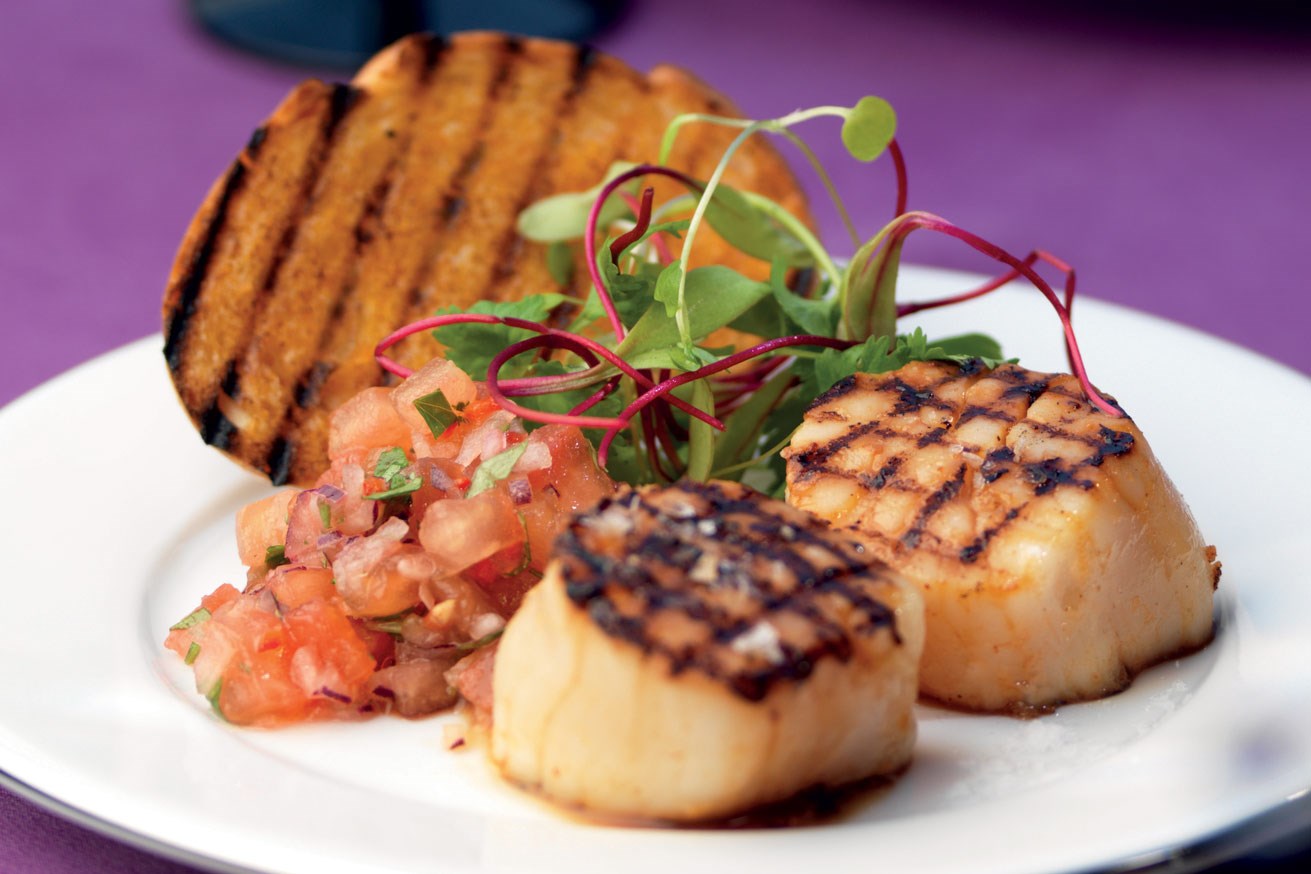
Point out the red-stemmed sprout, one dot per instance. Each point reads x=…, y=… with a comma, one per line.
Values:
x=904, y=224
x=737, y=376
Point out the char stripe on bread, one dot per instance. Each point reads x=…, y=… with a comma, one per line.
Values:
x=357, y=208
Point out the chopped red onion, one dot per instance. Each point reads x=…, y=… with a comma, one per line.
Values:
x=334, y=695
x=521, y=491
x=330, y=492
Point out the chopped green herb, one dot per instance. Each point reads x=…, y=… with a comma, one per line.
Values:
x=406, y=485
x=438, y=412
x=392, y=469
x=213, y=698
x=275, y=556
x=495, y=469
x=192, y=652
x=199, y=616
x=391, y=462
x=481, y=642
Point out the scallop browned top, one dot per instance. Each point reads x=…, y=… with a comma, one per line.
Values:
x=945, y=457
x=719, y=579
x=359, y=207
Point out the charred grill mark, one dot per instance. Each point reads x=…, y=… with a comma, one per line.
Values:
x=189, y=293
x=838, y=389
x=972, y=367
x=280, y=458
x=511, y=243
x=880, y=479
x=969, y=554
x=940, y=497
x=821, y=453
x=278, y=461
x=257, y=137
x=434, y=50
x=663, y=571
x=1112, y=443
x=215, y=428
x=977, y=412
x=366, y=227
x=309, y=385
x=932, y=437
x=911, y=399
x=1050, y=473
x=1032, y=390
x=994, y=465
x=453, y=199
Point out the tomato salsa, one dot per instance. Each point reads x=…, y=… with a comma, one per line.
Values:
x=384, y=588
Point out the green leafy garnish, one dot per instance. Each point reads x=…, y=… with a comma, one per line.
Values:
x=641, y=366
x=391, y=468
x=193, y=652
x=495, y=469
x=438, y=413
x=471, y=347
x=869, y=128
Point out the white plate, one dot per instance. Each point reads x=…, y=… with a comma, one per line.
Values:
x=118, y=519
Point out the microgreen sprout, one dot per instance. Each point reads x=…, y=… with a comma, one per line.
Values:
x=637, y=363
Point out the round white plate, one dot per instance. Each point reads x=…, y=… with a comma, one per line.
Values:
x=118, y=519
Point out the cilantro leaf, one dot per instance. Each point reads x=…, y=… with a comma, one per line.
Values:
x=884, y=354
x=392, y=469
x=390, y=462
x=471, y=347
x=438, y=413
x=495, y=469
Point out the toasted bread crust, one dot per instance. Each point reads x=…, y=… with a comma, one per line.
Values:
x=357, y=208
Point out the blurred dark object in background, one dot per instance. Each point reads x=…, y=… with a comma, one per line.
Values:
x=1288, y=17
x=345, y=33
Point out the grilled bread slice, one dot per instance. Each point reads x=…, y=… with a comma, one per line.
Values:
x=359, y=207
x=1055, y=556
x=698, y=650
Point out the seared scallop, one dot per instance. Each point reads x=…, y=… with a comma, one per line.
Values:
x=1055, y=557
x=699, y=650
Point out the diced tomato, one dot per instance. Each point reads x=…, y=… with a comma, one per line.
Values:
x=460, y=533
x=472, y=676
x=458, y=608
x=294, y=585
x=442, y=480
x=331, y=661
x=437, y=375
x=186, y=630
x=242, y=665
x=505, y=589
x=414, y=688
x=574, y=473
x=368, y=421
x=263, y=524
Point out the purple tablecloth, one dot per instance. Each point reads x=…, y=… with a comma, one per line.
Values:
x=1167, y=162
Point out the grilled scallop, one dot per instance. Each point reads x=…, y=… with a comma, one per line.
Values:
x=696, y=651
x=358, y=207
x=1055, y=557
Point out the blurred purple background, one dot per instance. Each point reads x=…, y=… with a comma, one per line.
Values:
x=1164, y=156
